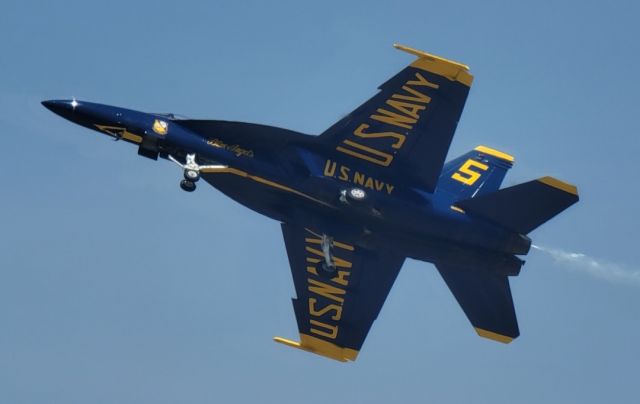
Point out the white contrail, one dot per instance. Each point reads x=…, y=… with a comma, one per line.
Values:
x=597, y=268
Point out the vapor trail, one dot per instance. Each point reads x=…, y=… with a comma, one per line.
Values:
x=600, y=269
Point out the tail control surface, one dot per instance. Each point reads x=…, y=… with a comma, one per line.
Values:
x=523, y=207
x=485, y=297
x=478, y=172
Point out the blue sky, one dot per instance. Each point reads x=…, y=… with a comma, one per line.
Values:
x=115, y=286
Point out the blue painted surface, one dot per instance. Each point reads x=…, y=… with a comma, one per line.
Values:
x=92, y=315
x=275, y=172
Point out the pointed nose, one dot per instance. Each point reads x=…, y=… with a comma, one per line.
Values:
x=64, y=108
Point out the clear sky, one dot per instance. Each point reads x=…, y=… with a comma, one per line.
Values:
x=117, y=287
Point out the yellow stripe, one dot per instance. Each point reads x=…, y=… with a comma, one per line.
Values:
x=556, y=183
x=443, y=67
x=495, y=153
x=494, y=336
x=120, y=131
x=261, y=180
x=131, y=136
x=457, y=209
x=320, y=347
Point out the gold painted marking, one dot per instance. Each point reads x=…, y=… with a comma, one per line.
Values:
x=453, y=71
x=330, y=168
x=341, y=278
x=344, y=246
x=261, y=180
x=386, y=157
x=495, y=153
x=494, y=336
x=326, y=290
x=407, y=108
x=470, y=176
x=418, y=96
x=421, y=81
x=344, y=173
x=320, y=347
x=392, y=118
x=457, y=209
x=324, y=310
x=556, y=183
x=121, y=132
x=314, y=251
x=396, y=145
x=333, y=329
x=160, y=127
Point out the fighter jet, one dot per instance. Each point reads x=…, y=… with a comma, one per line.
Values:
x=357, y=200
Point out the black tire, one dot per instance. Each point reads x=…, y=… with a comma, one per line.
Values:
x=191, y=175
x=187, y=186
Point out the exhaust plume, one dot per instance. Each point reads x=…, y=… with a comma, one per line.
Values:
x=600, y=269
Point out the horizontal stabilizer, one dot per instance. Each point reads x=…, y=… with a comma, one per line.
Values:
x=485, y=298
x=523, y=207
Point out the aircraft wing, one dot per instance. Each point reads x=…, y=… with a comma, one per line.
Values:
x=335, y=310
x=485, y=297
x=406, y=128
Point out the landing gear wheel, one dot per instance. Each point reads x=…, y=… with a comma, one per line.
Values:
x=191, y=175
x=356, y=194
x=187, y=186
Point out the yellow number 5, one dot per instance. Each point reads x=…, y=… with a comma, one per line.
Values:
x=466, y=175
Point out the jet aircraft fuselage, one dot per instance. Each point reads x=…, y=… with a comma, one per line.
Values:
x=293, y=176
x=357, y=200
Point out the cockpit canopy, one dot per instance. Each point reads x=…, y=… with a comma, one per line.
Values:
x=172, y=116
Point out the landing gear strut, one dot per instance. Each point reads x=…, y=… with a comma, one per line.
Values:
x=329, y=266
x=191, y=171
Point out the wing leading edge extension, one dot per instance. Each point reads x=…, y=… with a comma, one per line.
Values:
x=335, y=310
x=406, y=128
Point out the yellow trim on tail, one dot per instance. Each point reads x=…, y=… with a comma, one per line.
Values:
x=556, y=183
x=454, y=71
x=495, y=153
x=494, y=336
x=320, y=347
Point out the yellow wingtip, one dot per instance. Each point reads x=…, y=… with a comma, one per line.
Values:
x=494, y=336
x=450, y=69
x=320, y=347
x=287, y=342
x=423, y=54
x=556, y=183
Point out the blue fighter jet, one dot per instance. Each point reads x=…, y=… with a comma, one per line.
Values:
x=358, y=199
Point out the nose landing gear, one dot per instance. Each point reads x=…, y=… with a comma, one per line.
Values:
x=188, y=186
x=191, y=171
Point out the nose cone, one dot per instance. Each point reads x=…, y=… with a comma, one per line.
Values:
x=64, y=108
